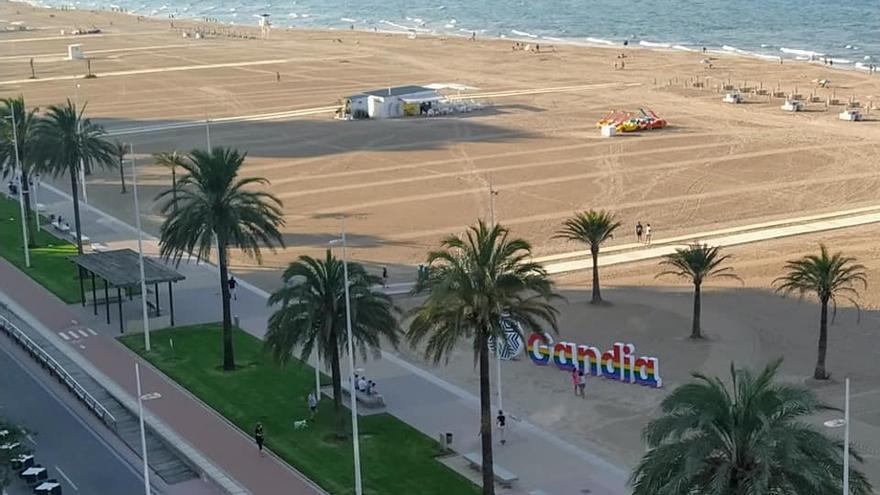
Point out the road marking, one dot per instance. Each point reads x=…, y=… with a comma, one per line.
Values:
x=83, y=333
x=64, y=335
x=92, y=332
x=71, y=483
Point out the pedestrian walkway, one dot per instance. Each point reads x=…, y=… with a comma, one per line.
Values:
x=414, y=395
x=427, y=402
x=222, y=452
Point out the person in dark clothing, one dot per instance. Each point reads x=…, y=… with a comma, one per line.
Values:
x=501, y=423
x=639, y=231
x=232, y=285
x=258, y=436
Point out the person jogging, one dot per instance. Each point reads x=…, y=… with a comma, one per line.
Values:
x=501, y=423
x=258, y=436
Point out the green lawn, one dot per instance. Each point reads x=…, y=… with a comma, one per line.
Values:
x=49, y=264
x=395, y=458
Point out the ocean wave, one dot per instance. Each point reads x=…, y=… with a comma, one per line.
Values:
x=600, y=41
x=347, y=19
x=801, y=53
x=654, y=44
x=523, y=33
x=683, y=48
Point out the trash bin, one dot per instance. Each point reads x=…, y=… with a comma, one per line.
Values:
x=448, y=439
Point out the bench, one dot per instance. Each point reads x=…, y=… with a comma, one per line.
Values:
x=372, y=401
x=504, y=477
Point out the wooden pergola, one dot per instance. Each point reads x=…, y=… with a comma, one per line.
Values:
x=120, y=269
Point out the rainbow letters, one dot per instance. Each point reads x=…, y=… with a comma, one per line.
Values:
x=617, y=364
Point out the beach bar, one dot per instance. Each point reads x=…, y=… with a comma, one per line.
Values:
x=387, y=103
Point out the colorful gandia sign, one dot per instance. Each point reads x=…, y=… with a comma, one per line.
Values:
x=619, y=363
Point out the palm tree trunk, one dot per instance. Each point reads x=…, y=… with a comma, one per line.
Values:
x=820, y=373
x=228, y=354
x=486, y=420
x=74, y=191
x=28, y=211
x=174, y=188
x=695, y=330
x=597, y=295
x=337, y=388
x=122, y=174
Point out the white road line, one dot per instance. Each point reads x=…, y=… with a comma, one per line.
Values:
x=83, y=333
x=223, y=120
x=63, y=335
x=66, y=478
x=92, y=331
x=46, y=57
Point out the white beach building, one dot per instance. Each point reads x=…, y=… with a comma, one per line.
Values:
x=390, y=102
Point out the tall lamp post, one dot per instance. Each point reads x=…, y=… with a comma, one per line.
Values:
x=24, y=235
x=137, y=217
x=498, y=342
x=352, y=389
x=141, y=399
x=837, y=423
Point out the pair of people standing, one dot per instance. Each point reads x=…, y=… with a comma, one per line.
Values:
x=579, y=382
x=644, y=234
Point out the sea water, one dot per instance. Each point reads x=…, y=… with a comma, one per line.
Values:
x=847, y=32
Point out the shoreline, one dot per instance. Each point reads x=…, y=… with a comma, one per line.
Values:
x=782, y=55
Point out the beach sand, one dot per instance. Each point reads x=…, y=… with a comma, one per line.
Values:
x=405, y=183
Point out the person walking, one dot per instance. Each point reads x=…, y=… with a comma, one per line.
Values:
x=574, y=380
x=385, y=276
x=501, y=423
x=648, y=234
x=313, y=404
x=232, y=285
x=582, y=384
x=639, y=230
x=258, y=436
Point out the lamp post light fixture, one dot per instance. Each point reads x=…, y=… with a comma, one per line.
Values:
x=141, y=399
x=843, y=422
x=352, y=386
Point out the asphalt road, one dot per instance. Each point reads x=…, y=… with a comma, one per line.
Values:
x=65, y=444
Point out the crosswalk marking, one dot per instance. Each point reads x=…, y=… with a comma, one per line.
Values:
x=92, y=331
x=64, y=335
x=84, y=334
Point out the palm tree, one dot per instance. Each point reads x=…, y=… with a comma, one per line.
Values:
x=592, y=228
x=25, y=130
x=748, y=438
x=171, y=160
x=212, y=206
x=697, y=262
x=67, y=141
x=121, y=149
x=829, y=277
x=311, y=316
x=472, y=282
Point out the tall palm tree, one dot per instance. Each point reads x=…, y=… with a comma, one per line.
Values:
x=592, y=228
x=697, y=262
x=750, y=437
x=311, y=316
x=830, y=277
x=25, y=130
x=67, y=140
x=473, y=282
x=211, y=208
x=171, y=160
x=121, y=149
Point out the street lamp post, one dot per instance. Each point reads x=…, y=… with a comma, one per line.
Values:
x=141, y=399
x=24, y=235
x=498, y=342
x=352, y=386
x=137, y=217
x=837, y=423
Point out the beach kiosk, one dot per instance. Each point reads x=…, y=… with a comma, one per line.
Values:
x=793, y=106
x=851, y=115
x=392, y=102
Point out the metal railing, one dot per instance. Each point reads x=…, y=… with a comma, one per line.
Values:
x=49, y=363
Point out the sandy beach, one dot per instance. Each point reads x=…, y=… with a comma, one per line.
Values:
x=405, y=183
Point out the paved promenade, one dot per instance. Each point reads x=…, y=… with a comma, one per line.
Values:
x=413, y=394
